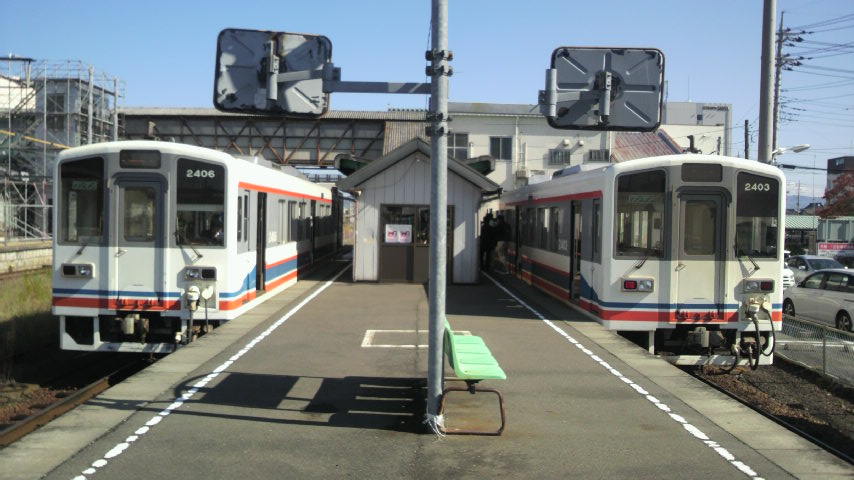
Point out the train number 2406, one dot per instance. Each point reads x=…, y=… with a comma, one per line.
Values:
x=200, y=173
x=757, y=187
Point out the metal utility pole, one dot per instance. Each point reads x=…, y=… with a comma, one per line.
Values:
x=778, y=67
x=438, y=202
x=766, y=101
x=746, y=140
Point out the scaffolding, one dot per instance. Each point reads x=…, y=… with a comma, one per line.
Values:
x=46, y=107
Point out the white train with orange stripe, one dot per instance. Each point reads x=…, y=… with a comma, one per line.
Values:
x=687, y=248
x=156, y=241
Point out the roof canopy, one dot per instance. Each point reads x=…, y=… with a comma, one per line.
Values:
x=366, y=171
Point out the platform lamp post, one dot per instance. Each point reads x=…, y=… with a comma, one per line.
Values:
x=781, y=150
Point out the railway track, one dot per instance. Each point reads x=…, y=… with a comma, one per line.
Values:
x=807, y=417
x=79, y=385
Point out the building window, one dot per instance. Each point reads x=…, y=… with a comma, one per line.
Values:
x=458, y=146
x=603, y=155
x=559, y=157
x=500, y=148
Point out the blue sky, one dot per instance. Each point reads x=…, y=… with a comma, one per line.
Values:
x=164, y=51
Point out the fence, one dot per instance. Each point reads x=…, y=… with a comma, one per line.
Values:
x=818, y=347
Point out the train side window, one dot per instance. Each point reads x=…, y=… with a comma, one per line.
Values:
x=293, y=221
x=531, y=228
x=542, y=228
x=283, y=221
x=640, y=214
x=200, y=203
x=240, y=218
x=554, y=229
x=523, y=237
x=81, y=190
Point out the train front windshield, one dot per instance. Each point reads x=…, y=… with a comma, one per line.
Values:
x=200, y=203
x=757, y=215
x=81, y=200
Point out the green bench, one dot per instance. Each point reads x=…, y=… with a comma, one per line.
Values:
x=472, y=362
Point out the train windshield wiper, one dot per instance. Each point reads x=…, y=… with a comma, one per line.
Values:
x=85, y=244
x=180, y=241
x=642, y=260
x=742, y=253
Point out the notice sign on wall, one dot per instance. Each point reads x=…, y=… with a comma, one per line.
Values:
x=398, y=233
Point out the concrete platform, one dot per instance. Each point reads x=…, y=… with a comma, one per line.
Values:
x=329, y=380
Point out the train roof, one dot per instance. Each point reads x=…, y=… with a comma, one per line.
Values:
x=570, y=174
x=168, y=147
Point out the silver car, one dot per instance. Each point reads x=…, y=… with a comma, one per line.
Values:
x=825, y=297
x=803, y=265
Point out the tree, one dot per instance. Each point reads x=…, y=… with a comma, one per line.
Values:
x=840, y=197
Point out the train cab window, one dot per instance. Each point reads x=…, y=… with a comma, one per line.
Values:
x=200, y=203
x=81, y=219
x=757, y=215
x=640, y=214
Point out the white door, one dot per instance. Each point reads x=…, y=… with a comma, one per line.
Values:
x=700, y=253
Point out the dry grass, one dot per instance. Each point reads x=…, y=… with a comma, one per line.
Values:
x=25, y=318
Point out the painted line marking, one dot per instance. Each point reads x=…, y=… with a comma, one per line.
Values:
x=694, y=431
x=119, y=448
x=368, y=340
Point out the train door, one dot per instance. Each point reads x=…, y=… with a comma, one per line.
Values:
x=312, y=230
x=261, y=245
x=575, y=250
x=138, y=238
x=700, y=254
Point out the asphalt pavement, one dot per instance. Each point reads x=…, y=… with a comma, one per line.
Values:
x=328, y=379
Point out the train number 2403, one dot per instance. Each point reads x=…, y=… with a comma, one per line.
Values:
x=757, y=187
x=200, y=173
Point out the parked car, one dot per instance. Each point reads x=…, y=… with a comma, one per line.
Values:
x=825, y=297
x=847, y=260
x=788, y=276
x=803, y=265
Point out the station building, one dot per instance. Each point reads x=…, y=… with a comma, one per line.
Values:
x=392, y=220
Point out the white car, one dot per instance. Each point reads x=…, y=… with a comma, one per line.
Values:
x=788, y=277
x=826, y=297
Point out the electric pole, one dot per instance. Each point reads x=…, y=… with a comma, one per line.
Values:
x=766, y=102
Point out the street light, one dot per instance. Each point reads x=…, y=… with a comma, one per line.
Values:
x=781, y=150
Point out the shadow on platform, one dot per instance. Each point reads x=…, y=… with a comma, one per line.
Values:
x=394, y=404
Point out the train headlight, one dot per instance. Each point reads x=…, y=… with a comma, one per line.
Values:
x=638, y=285
x=757, y=286
x=203, y=273
x=81, y=270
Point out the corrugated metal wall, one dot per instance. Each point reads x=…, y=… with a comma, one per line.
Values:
x=408, y=183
